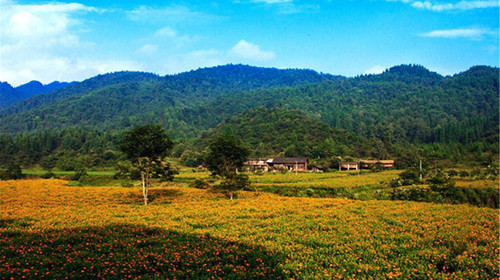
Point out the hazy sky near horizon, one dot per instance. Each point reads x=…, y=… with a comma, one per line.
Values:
x=68, y=41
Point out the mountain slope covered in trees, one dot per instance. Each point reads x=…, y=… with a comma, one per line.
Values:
x=10, y=95
x=290, y=133
x=381, y=114
x=125, y=99
x=402, y=107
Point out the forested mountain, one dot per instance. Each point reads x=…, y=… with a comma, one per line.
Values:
x=78, y=89
x=405, y=108
x=407, y=74
x=123, y=99
x=405, y=105
x=10, y=95
x=280, y=132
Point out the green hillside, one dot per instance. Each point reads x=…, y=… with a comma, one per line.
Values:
x=407, y=111
x=123, y=99
x=397, y=108
x=290, y=133
x=10, y=95
x=77, y=89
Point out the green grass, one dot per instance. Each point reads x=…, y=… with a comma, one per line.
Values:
x=39, y=172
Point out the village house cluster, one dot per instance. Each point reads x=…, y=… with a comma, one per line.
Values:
x=277, y=164
x=366, y=164
x=300, y=164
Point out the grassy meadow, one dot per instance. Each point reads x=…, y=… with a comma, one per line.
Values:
x=51, y=229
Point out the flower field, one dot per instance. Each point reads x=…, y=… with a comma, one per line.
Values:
x=50, y=230
x=307, y=179
x=325, y=180
x=351, y=184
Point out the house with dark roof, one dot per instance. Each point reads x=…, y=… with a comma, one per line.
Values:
x=291, y=164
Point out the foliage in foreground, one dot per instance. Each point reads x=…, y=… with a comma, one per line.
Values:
x=70, y=229
x=125, y=251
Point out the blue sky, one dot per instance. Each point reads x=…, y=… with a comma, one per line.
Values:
x=68, y=41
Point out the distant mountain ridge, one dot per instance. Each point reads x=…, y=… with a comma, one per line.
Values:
x=120, y=99
x=406, y=103
x=10, y=95
x=79, y=88
x=411, y=73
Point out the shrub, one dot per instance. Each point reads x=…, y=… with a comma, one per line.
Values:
x=310, y=192
x=126, y=184
x=200, y=184
x=478, y=197
x=409, y=177
x=80, y=175
x=13, y=172
x=395, y=183
x=414, y=193
x=452, y=173
x=48, y=175
x=439, y=179
x=233, y=184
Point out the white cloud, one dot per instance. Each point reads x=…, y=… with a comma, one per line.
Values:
x=59, y=8
x=39, y=20
x=249, y=51
x=470, y=33
x=377, y=69
x=148, y=49
x=454, y=6
x=173, y=36
x=42, y=42
x=284, y=6
x=167, y=32
x=173, y=13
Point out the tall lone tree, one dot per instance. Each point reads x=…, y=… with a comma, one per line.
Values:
x=147, y=147
x=225, y=156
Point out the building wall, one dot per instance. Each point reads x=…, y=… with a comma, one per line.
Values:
x=349, y=166
x=300, y=166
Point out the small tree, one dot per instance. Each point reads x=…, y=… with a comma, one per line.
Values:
x=13, y=172
x=225, y=156
x=147, y=147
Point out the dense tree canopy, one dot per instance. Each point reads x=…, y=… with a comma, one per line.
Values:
x=373, y=115
x=147, y=147
x=225, y=156
x=279, y=132
x=149, y=141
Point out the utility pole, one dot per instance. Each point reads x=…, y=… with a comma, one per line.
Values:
x=420, y=170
